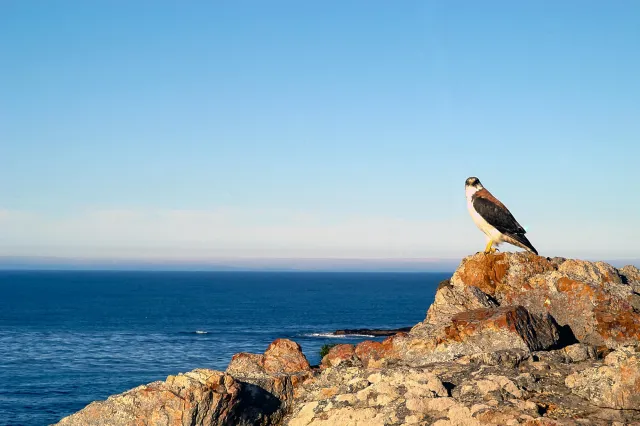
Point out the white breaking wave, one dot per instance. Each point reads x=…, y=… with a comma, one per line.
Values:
x=201, y=332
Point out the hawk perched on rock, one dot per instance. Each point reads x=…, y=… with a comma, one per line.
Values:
x=493, y=218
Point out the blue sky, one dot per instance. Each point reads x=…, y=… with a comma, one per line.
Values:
x=196, y=130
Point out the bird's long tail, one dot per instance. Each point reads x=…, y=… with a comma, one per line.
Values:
x=521, y=241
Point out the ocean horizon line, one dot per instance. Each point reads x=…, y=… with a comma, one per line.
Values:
x=50, y=263
x=233, y=264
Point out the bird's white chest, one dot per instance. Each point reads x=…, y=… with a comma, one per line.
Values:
x=491, y=232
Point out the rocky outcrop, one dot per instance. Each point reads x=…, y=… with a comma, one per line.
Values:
x=513, y=387
x=200, y=397
x=256, y=390
x=339, y=354
x=269, y=379
x=476, y=331
x=282, y=357
x=597, y=303
x=511, y=339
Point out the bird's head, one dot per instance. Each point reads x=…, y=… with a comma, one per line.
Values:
x=473, y=181
x=472, y=185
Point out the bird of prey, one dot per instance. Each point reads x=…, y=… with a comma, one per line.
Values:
x=493, y=218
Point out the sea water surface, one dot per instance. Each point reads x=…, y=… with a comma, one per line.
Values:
x=68, y=338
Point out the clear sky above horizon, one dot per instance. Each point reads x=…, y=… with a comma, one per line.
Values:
x=193, y=130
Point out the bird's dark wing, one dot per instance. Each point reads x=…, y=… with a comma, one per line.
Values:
x=497, y=216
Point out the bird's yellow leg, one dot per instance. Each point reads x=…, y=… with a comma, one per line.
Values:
x=489, y=248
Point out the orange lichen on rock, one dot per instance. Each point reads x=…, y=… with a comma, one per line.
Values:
x=616, y=324
x=337, y=355
x=285, y=356
x=484, y=272
x=372, y=353
x=535, y=332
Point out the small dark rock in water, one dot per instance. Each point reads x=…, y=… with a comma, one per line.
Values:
x=371, y=331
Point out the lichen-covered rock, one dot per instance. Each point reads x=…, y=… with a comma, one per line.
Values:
x=358, y=396
x=452, y=393
x=377, y=354
x=593, y=301
x=616, y=384
x=200, y=397
x=476, y=331
x=497, y=274
x=337, y=355
x=451, y=300
x=631, y=275
x=532, y=332
x=270, y=379
x=283, y=356
x=577, y=352
x=256, y=390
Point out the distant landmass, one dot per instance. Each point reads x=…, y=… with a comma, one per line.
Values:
x=246, y=264
x=273, y=264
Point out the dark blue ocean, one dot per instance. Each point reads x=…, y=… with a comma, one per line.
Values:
x=68, y=338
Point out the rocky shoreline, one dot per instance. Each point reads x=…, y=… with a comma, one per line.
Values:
x=511, y=339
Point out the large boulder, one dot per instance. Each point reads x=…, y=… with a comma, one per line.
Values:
x=465, y=333
x=270, y=379
x=451, y=300
x=337, y=355
x=200, y=397
x=477, y=331
x=257, y=389
x=594, y=302
x=283, y=356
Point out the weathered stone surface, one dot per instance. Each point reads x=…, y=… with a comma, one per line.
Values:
x=498, y=274
x=616, y=384
x=283, y=356
x=451, y=300
x=376, y=354
x=200, y=397
x=358, y=396
x=256, y=390
x=577, y=352
x=476, y=331
x=337, y=355
x=269, y=380
x=452, y=393
x=631, y=275
x=532, y=332
x=593, y=301
x=246, y=364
